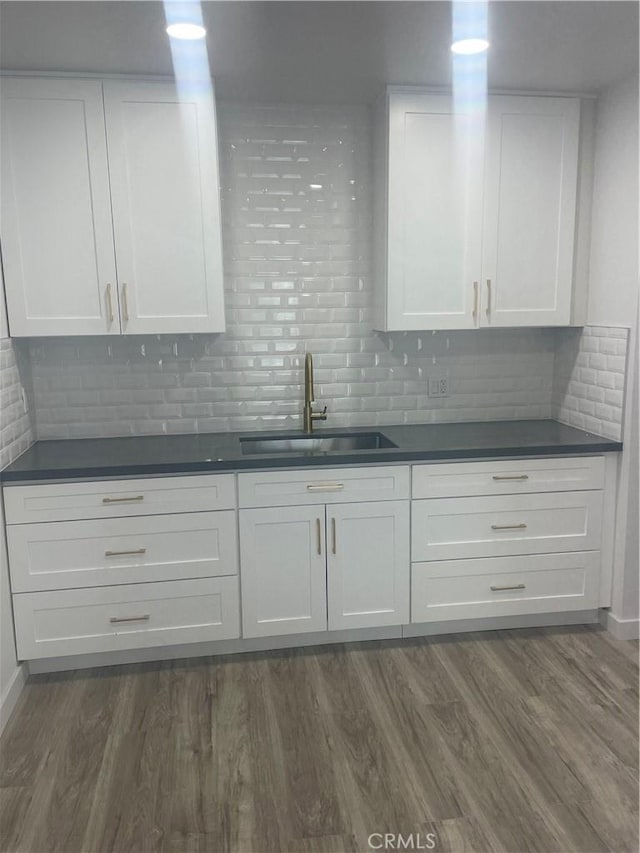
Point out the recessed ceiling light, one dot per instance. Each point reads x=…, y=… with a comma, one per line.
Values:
x=470, y=46
x=186, y=31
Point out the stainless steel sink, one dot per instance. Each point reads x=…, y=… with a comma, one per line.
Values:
x=316, y=444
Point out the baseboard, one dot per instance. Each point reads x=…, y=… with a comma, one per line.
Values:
x=501, y=623
x=11, y=694
x=622, y=629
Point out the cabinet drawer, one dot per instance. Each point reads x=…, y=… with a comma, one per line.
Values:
x=508, y=477
x=468, y=589
x=452, y=528
x=328, y=485
x=100, y=552
x=118, y=498
x=113, y=618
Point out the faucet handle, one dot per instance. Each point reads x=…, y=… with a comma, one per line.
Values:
x=319, y=416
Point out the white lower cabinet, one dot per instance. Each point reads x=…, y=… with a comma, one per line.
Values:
x=120, y=565
x=316, y=567
x=506, y=538
x=116, y=618
x=506, y=586
x=101, y=552
x=368, y=564
x=283, y=566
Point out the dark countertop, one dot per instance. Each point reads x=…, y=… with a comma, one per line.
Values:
x=183, y=454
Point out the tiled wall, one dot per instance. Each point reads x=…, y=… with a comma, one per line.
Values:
x=16, y=433
x=588, y=389
x=297, y=241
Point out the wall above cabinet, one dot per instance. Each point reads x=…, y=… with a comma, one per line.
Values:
x=110, y=208
x=475, y=213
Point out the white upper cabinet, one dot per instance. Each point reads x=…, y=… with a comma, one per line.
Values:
x=166, y=211
x=529, y=211
x=434, y=204
x=57, y=241
x=475, y=213
x=110, y=208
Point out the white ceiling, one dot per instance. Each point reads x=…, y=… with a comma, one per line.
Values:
x=329, y=51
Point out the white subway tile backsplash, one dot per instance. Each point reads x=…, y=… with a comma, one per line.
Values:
x=589, y=381
x=16, y=433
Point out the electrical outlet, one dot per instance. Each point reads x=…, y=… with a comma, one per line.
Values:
x=438, y=386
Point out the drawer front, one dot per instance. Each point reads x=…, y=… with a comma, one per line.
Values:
x=328, y=485
x=468, y=589
x=457, y=528
x=114, y=618
x=101, y=552
x=466, y=479
x=118, y=498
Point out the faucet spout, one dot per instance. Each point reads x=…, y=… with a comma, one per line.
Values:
x=308, y=379
x=309, y=416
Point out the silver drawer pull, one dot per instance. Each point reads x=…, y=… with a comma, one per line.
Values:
x=144, y=618
x=122, y=500
x=510, y=476
x=125, y=553
x=507, y=588
x=325, y=487
x=521, y=526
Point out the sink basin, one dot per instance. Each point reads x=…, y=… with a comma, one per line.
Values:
x=316, y=444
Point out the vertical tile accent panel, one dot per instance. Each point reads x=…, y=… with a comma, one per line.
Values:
x=297, y=226
x=589, y=378
x=16, y=433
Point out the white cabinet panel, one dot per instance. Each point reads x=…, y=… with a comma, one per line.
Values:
x=283, y=571
x=468, y=589
x=516, y=476
x=118, y=498
x=99, y=552
x=368, y=564
x=475, y=212
x=452, y=528
x=330, y=485
x=166, y=207
x=57, y=244
x=434, y=213
x=113, y=618
x=529, y=210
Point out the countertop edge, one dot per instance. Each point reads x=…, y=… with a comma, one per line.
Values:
x=257, y=463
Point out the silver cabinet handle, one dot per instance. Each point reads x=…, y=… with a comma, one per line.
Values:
x=333, y=536
x=325, y=487
x=125, y=303
x=488, y=296
x=521, y=526
x=122, y=500
x=510, y=476
x=507, y=588
x=475, y=300
x=124, y=553
x=109, y=303
x=144, y=618
x=319, y=536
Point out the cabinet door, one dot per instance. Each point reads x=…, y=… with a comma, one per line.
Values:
x=368, y=564
x=434, y=209
x=57, y=240
x=529, y=211
x=283, y=570
x=166, y=207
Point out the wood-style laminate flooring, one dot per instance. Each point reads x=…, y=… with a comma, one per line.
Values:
x=508, y=741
